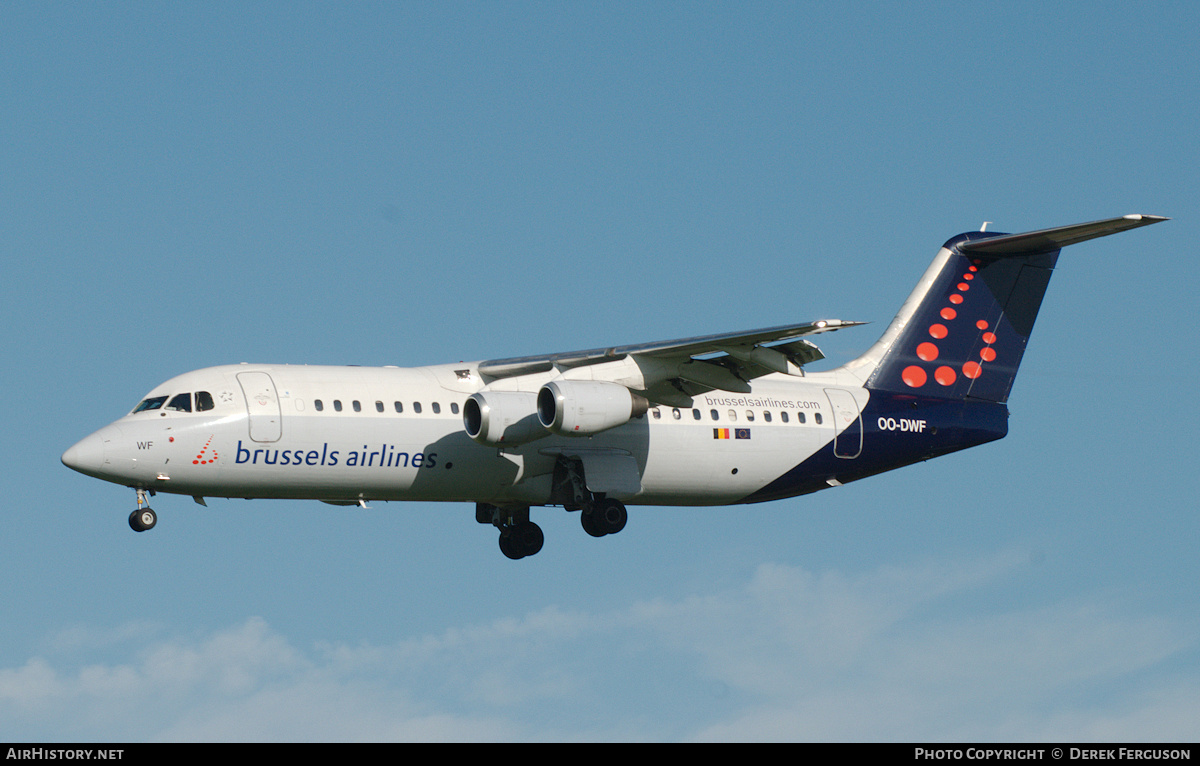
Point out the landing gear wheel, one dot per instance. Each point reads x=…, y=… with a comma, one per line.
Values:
x=521, y=540
x=591, y=521
x=530, y=537
x=606, y=517
x=142, y=519
x=612, y=515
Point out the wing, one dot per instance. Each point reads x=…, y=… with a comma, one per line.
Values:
x=673, y=371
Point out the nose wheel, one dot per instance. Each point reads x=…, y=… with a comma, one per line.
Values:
x=143, y=518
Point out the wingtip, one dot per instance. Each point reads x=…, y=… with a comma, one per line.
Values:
x=835, y=324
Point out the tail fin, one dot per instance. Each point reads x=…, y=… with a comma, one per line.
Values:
x=962, y=332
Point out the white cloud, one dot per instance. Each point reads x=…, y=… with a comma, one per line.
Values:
x=894, y=654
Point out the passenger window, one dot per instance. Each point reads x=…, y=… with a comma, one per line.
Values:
x=799, y=417
x=767, y=416
x=817, y=418
x=750, y=416
x=437, y=408
x=783, y=416
x=399, y=407
x=180, y=403
x=454, y=408
x=732, y=416
x=657, y=414
x=695, y=414
x=714, y=414
x=357, y=406
x=379, y=406
x=675, y=413
x=152, y=403
x=417, y=407
x=318, y=404
x=204, y=401
x=337, y=405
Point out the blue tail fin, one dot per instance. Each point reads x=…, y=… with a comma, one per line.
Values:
x=963, y=331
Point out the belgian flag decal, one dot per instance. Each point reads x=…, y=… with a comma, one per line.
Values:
x=738, y=433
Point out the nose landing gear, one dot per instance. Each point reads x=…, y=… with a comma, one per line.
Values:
x=143, y=518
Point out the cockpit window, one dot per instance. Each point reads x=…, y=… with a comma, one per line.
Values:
x=153, y=403
x=181, y=403
x=204, y=401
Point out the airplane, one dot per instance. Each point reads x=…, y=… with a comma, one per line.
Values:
x=713, y=420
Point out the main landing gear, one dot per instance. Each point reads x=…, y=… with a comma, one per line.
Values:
x=143, y=518
x=520, y=537
x=604, y=517
x=600, y=515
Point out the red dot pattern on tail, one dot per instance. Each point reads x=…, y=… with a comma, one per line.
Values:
x=915, y=376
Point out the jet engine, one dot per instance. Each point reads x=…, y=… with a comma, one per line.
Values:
x=585, y=407
x=502, y=418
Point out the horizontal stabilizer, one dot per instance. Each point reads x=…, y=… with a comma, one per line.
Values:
x=1047, y=240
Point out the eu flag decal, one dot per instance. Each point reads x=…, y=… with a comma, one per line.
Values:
x=741, y=433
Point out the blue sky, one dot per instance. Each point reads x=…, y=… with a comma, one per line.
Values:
x=412, y=183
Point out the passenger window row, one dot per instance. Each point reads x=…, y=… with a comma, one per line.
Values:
x=398, y=406
x=732, y=416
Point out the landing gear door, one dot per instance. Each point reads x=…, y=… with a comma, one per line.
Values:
x=613, y=474
x=262, y=405
x=609, y=472
x=847, y=424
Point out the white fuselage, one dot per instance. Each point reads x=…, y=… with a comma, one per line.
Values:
x=350, y=434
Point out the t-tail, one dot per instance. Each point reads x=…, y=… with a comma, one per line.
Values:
x=963, y=330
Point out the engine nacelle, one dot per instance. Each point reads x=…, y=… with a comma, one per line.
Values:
x=585, y=407
x=502, y=418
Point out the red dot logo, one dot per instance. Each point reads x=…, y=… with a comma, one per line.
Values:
x=987, y=354
x=913, y=376
x=201, y=459
x=945, y=376
x=956, y=299
x=972, y=370
x=939, y=331
x=982, y=324
x=927, y=352
x=989, y=337
x=948, y=313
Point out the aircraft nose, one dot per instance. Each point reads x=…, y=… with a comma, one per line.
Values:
x=87, y=456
